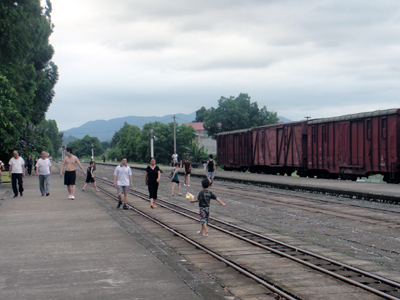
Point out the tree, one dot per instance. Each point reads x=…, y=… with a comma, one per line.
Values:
x=201, y=114
x=164, y=146
x=83, y=147
x=126, y=142
x=27, y=75
x=11, y=121
x=196, y=154
x=54, y=136
x=237, y=113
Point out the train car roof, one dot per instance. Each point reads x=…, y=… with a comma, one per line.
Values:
x=250, y=129
x=234, y=131
x=363, y=115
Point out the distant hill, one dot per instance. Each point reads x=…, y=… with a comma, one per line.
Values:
x=284, y=120
x=105, y=130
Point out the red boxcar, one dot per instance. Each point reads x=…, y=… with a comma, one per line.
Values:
x=280, y=148
x=355, y=145
x=234, y=149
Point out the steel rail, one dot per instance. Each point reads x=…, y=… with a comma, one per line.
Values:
x=208, y=251
x=296, y=249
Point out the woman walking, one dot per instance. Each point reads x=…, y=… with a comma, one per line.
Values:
x=29, y=163
x=175, y=179
x=152, y=180
x=34, y=164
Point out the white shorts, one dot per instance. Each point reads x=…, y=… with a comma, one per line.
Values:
x=122, y=189
x=211, y=175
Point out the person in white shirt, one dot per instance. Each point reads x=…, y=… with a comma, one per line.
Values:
x=122, y=181
x=16, y=172
x=43, y=170
x=174, y=158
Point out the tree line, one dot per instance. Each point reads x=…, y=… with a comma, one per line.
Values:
x=232, y=113
x=27, y=78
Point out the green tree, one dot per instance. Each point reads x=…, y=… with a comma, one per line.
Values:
x=196, y=154
x=27, y=75
x=11, y=121
x=201, y=114
x=54, y=136
x=125, y=142
x=164, y=146
x=83, y=147
x=237, y=113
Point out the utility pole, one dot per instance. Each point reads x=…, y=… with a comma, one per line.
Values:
x=152, y=143
x=92, y=152
x=174, y=134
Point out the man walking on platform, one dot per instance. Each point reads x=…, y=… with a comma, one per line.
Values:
x=122, y=181
x=16, y=171
x=43, y=170
x=70, y=162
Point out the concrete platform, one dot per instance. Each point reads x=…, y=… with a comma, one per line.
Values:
x=380, y=191
x=55, y=248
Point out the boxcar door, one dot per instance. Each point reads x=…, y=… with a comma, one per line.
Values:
x=344, y=144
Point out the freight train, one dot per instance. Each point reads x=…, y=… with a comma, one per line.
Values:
x=345, y=147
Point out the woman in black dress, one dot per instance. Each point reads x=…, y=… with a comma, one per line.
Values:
x=152, y=180
x=29, y=163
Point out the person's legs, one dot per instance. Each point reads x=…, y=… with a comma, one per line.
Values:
x=95, y=187
x=188, y=179
x=47, y=184
x=83, y=189
x=41, y=184
x=173, y=187
x=155, y=188
x=29, y=170
x=150, y=187
x=20, y=184
x=179, y=188
x=119, y=200
x=72, y=190
x=14, y=184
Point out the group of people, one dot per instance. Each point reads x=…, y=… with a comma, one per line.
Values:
x=16, y=172
x=122, y=180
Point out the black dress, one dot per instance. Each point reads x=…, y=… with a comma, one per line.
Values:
x=152, y=175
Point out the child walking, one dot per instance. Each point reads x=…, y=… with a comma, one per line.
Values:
x=90, y=177
x=204, y=198
x=175, y=179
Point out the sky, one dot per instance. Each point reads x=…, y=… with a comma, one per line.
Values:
x=317, y=58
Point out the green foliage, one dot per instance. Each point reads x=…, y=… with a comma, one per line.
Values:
x=11, y=121
x=105, y=145
x=83, y=147
x=236, y=113
x=27, y=77
x=134, y=143
x=196, y=154
x=201, y=114
x=54, y=136
x=33, y=140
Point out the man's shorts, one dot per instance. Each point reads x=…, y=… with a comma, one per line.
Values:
x=204, y=214
x=69, y=177
x=176, y=181
x=188, y=173
x=122, y=189
x=211, y=175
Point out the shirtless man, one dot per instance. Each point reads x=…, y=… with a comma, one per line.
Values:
x=70, y=161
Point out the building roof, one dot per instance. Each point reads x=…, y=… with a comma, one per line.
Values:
x=196, y=125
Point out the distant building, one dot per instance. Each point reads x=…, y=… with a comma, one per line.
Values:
x=202, y=139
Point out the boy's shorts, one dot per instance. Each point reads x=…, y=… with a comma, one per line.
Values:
x=204, y=214
x=211, y=175
x=176, y=181
x=122, y=189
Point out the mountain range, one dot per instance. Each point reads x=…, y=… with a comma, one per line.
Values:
x=105, y=130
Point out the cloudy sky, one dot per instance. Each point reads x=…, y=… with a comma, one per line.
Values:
x=315, y=58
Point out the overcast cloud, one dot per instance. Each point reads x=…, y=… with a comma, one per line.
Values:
x=300, y=58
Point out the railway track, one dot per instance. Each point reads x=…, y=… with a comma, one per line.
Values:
x=385, y=288
x=264, y=194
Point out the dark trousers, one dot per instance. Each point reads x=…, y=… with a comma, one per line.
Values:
x=29, y=170
x=14, y=178
x=153, y=187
